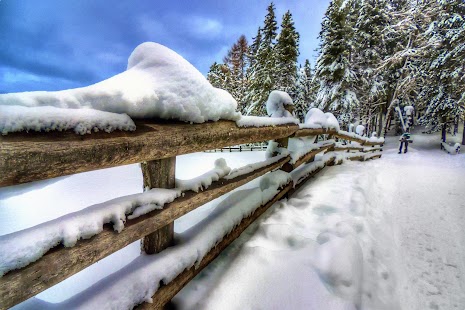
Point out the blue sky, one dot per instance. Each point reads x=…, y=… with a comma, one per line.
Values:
x=60, y=44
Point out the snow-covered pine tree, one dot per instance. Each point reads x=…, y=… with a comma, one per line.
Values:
x=406, y=49
x=333, y=68
x=305, y=91
x=369, y=50
x=443, y=91
x=236, y=60
x=253, y=51
x=262, y=75
x=287, y=51
x=219, y=76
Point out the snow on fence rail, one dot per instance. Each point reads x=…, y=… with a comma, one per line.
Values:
x=26, y=268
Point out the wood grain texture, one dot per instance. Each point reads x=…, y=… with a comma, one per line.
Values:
x=311, y=155
x=159, y=173
x=166, y=292
x=349, y=138
x=27, y=157
x=359, y=158
x=350, y=148
x=332, y=133
x=374, y=143
x=368, y=150
x=61, y=263
x=304, y=132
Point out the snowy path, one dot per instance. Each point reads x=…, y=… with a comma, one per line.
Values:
x=385, y=234
x=428, y=213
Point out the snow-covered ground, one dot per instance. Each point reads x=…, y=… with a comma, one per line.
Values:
x=382, y=234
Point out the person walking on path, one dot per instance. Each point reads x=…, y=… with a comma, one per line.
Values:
x=404, y=141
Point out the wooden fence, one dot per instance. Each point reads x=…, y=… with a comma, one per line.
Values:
x=37, y=156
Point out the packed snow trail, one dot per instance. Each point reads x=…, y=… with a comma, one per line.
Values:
x=383, y=234
x=428, y=210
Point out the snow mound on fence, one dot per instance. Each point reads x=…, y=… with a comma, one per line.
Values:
x=331, y=121
x=360, y=130
x=261, y=121
x=316, y=119
x=275, y=105
x=158, y=83
x=82, y=121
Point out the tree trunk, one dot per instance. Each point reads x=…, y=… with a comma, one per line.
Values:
x=463, y=134
x=380, y=121
x=444, y=131
x=392, y=102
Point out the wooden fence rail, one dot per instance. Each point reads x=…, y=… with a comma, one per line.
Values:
x=35, y=156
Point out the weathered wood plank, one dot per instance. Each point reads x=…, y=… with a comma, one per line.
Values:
x=166, y=292
x=304, y=132
x=374, y=143
x=311, y=155
x=359, y=158
x=159, y=174
x=367, y=150
x=37, y=156
x=311, y=132
x=61, y=263
x=350, y=148
x=349, y=138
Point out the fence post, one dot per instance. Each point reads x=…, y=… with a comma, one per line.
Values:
x=159, y=174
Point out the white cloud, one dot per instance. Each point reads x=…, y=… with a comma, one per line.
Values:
x=151, y=27
x=203, y=26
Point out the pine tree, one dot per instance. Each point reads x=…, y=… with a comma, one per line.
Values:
x=219, y=76
x=406, y=49
x=236, y=60
x=253, y=51
x=444, y=91
x=370, y=49
x=262, y=77
x=333, y=69
x=304, y=91
x=287, y=51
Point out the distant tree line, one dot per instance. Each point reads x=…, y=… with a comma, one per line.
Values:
x=374, y=55
x=251, y=72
